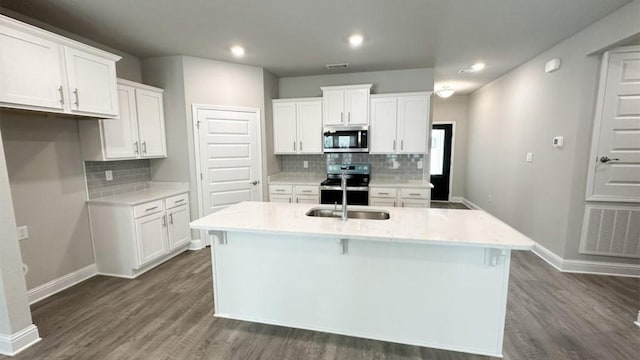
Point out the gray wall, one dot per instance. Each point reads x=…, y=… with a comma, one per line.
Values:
x=47, y=181
x=271, y=163
x=521, y=112
x=455, y=109
x=383, y=82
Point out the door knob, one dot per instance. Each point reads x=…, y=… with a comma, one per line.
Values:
x=605, y=159
x=254, y=182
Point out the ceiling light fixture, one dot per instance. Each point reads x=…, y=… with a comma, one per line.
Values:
x=237, y=51
x=445, y=92
x=477, y=67
x=474, y=68
x=355, y=40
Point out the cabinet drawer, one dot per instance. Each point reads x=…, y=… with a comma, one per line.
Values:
x=307, y=199
x=280, y=198
x=383, y=192
x=148, y=208
x=177, y=200
x=414, y=193
x=307, y=190
x=414, y=203
x=280, y=189
x=382, y=202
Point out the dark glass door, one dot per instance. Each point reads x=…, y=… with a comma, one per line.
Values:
x=441, y=136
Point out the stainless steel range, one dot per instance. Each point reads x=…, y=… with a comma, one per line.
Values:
x=357, y=184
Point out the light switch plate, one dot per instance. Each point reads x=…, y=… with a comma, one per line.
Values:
x=305, y=164
x=420, y=165
x=109, y=175
x=23, y=232
x=529, y=157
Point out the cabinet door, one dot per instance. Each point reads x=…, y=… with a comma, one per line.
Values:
x=411, y=203
x=120, y=135
x=284, y=128
x=357, y=106
x=280, y=198
x=92, y=83
x=413, y=124
x=179, y=232
x=333, y=107
x=382, y=202
x=307, y=199
x=309, y=115
x=151, y=124
x=30, y=70
x=151, y=237
x=382, y=133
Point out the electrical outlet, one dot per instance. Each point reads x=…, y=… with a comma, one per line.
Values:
x=394, y=165
x=109, y=175
x=23, y=232
x=420, y=165
x=305, y=164
x=529, y=157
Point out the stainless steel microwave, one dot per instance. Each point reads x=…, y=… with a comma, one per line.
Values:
x=346, y=139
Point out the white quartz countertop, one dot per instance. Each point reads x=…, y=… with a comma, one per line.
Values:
x=156, y=192
x=297, y=178
x=401, y=183
x=429, y=226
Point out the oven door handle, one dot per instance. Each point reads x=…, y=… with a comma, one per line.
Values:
x=349, y=188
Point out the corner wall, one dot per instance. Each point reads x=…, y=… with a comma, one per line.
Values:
x=521, y=112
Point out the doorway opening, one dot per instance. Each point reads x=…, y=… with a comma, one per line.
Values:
x=441, y=161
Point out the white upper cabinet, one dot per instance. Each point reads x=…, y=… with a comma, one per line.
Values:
x=138, y=133
x=42, y=71
x=346, y=105
x=92, y=83
x=400, y=123
x=297, y=126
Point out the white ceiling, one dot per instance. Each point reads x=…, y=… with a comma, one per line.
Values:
x=298, y=37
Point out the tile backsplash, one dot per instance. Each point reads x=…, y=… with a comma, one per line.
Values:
x=382, y=166
x=128, y=175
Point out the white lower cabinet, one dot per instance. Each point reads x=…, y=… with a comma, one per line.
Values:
x=131, y=239
x=400, y=197
x=300, y=194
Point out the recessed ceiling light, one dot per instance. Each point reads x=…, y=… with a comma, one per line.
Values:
x=477, y=66
x=355, y=40
x=237, y=51
x=445, y=92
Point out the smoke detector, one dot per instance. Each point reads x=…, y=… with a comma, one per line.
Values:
x=337, y=66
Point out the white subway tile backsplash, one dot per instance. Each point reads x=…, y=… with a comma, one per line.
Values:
x=128, y=175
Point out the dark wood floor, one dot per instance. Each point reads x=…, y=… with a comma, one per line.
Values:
x=168, y=314
x=448, y=205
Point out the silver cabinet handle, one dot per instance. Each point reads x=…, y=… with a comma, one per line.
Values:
x=144, y=147
x=151, y=208
x=280, y=190
x=170, y=218
x=135, y=144
x=306, y=191
x=384, y=193
x=300, y=145
x=401, y=144
x=394, y=145
x=77, y=103
x=164, y=220
x=403, y=204
x=297, y=200
x=289, y=200
x=414, y=194
x=394, y=203
x=341, y=117
x=61, y=95
x=294, y=146
x=605, y=159
x=349, y=117
x=178, y=201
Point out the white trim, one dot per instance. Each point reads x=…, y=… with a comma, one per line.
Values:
x=453, y=151
x=287, y=100
x=54, y=286
x=413, y=93
x=577, y=266
x=13, y=344
x=199, y=244
x=457, y=199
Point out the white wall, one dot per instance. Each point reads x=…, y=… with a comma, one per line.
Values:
x=383, y=82
x=455, y=109
x=521, y=112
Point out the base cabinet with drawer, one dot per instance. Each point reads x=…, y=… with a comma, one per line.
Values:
x=131, y=239
x=300, y=194
x=400, y=197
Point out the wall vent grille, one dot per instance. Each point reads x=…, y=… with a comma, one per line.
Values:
x=611, y=231
x=337, y=66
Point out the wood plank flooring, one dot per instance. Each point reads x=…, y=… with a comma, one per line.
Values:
x=168, y=314
x=448, y=205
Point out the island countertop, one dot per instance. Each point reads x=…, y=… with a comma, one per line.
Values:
x=429, y=226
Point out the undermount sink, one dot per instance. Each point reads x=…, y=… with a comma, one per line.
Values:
x=352, y=214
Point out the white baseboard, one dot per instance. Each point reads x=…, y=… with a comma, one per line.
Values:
x=196, y=244
x=13, y=344
x=55, y=286
x=578, y=266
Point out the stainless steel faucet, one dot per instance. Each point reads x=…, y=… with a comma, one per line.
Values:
x=345, y=212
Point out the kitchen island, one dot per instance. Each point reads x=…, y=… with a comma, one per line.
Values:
x=427, y=277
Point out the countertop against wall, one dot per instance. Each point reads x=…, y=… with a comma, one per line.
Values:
x=158, y=190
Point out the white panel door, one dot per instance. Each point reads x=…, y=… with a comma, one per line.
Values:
x=357, y=106
x=121, y=134
x=179, y=232
x=30, y=70
x=151, y=237
x=92, y=83
x=333, y=107
x=382, y=133
x=229, y=152
x=284, y=128
x=309, y=115
x=151, y=124
x=413, y=124
x=615, y=169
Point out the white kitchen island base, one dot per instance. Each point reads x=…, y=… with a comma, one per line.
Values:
x=447, y=297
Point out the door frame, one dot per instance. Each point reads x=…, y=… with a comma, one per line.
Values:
x=597, y=125
x=195, y=108
x=453, y=152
